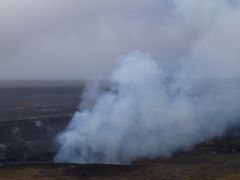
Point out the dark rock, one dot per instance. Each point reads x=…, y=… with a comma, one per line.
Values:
x=30, y=139
x=3, y=151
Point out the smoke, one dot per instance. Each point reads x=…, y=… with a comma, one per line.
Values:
x=145, y=114
x=155, y=109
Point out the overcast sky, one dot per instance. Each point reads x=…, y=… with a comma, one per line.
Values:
x=76, y=39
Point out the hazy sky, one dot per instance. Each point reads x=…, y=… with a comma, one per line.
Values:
x=75, y=39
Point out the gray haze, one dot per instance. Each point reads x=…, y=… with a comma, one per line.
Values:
x=75, y=39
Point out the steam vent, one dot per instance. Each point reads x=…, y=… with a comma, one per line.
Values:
x=119, y=89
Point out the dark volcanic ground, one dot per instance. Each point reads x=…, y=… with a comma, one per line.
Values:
x=31, y=117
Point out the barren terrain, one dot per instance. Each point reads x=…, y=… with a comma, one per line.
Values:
x=31, y=117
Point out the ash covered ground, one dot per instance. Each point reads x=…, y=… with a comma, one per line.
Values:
x=32, y=115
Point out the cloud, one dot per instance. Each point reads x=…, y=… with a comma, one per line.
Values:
x=78, y=39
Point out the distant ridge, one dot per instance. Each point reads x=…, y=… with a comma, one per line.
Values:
x=40, y=83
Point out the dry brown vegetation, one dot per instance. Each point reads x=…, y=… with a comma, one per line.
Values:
x=179, y=167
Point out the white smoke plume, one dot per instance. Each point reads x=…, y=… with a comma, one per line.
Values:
x=145, y=114
x=151, y=110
